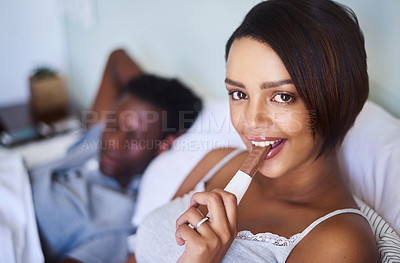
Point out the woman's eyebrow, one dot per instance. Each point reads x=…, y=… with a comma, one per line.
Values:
x=274, y=84
x=234, y=83
x=264, y=85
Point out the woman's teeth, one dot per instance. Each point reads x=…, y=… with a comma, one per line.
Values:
x=263, y=143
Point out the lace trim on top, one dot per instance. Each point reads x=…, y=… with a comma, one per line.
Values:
x=283, y=241
x=268, y=238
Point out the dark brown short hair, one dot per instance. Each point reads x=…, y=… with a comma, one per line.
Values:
x=322, y=47
x=181, y=105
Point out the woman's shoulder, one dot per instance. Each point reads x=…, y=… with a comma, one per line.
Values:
x=213, y=159
x=344, y=237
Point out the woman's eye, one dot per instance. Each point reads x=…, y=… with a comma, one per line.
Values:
x=283, y=98
x=238, y=95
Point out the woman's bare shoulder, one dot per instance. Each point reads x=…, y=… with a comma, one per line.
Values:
x=202, y=168
x=342, y=238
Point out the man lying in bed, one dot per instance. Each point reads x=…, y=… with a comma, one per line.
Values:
x=84, y=202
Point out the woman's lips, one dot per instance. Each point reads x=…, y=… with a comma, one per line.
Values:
x=276, y=148
x=277, y=144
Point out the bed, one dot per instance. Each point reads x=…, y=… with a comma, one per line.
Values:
x=372, y=169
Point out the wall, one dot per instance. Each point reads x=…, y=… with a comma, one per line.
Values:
x=32, y=34
x=174, y=38
x=177, y=38
x=186, y=39
x=380, y=22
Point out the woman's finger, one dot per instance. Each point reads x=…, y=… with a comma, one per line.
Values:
x=230, y=203
x=184, y=233
x=210, y=237
x=191, y=216
x=189, y=222
x=215, y=206
x=222, y=207
x=231, y=210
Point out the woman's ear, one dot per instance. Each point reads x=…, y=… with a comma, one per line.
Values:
x=167, y=142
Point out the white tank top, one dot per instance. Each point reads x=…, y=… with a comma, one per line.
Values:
x=155, y=238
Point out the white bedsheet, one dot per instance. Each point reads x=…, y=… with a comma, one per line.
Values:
x=38, y=152
x=19, y=240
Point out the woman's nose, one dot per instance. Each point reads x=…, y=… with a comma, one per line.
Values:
x=257, y=115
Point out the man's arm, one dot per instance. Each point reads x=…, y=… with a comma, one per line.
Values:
x=119, y=70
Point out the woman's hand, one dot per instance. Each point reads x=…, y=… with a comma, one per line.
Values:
x=212, y=239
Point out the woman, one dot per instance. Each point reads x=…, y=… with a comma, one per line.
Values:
x=296, y=75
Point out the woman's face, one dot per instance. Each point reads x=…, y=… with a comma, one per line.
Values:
x=266, y=108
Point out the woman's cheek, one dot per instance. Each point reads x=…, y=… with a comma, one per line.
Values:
x=292, y=122
x=237, y=116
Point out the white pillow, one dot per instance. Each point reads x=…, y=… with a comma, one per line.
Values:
x=370, y=156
